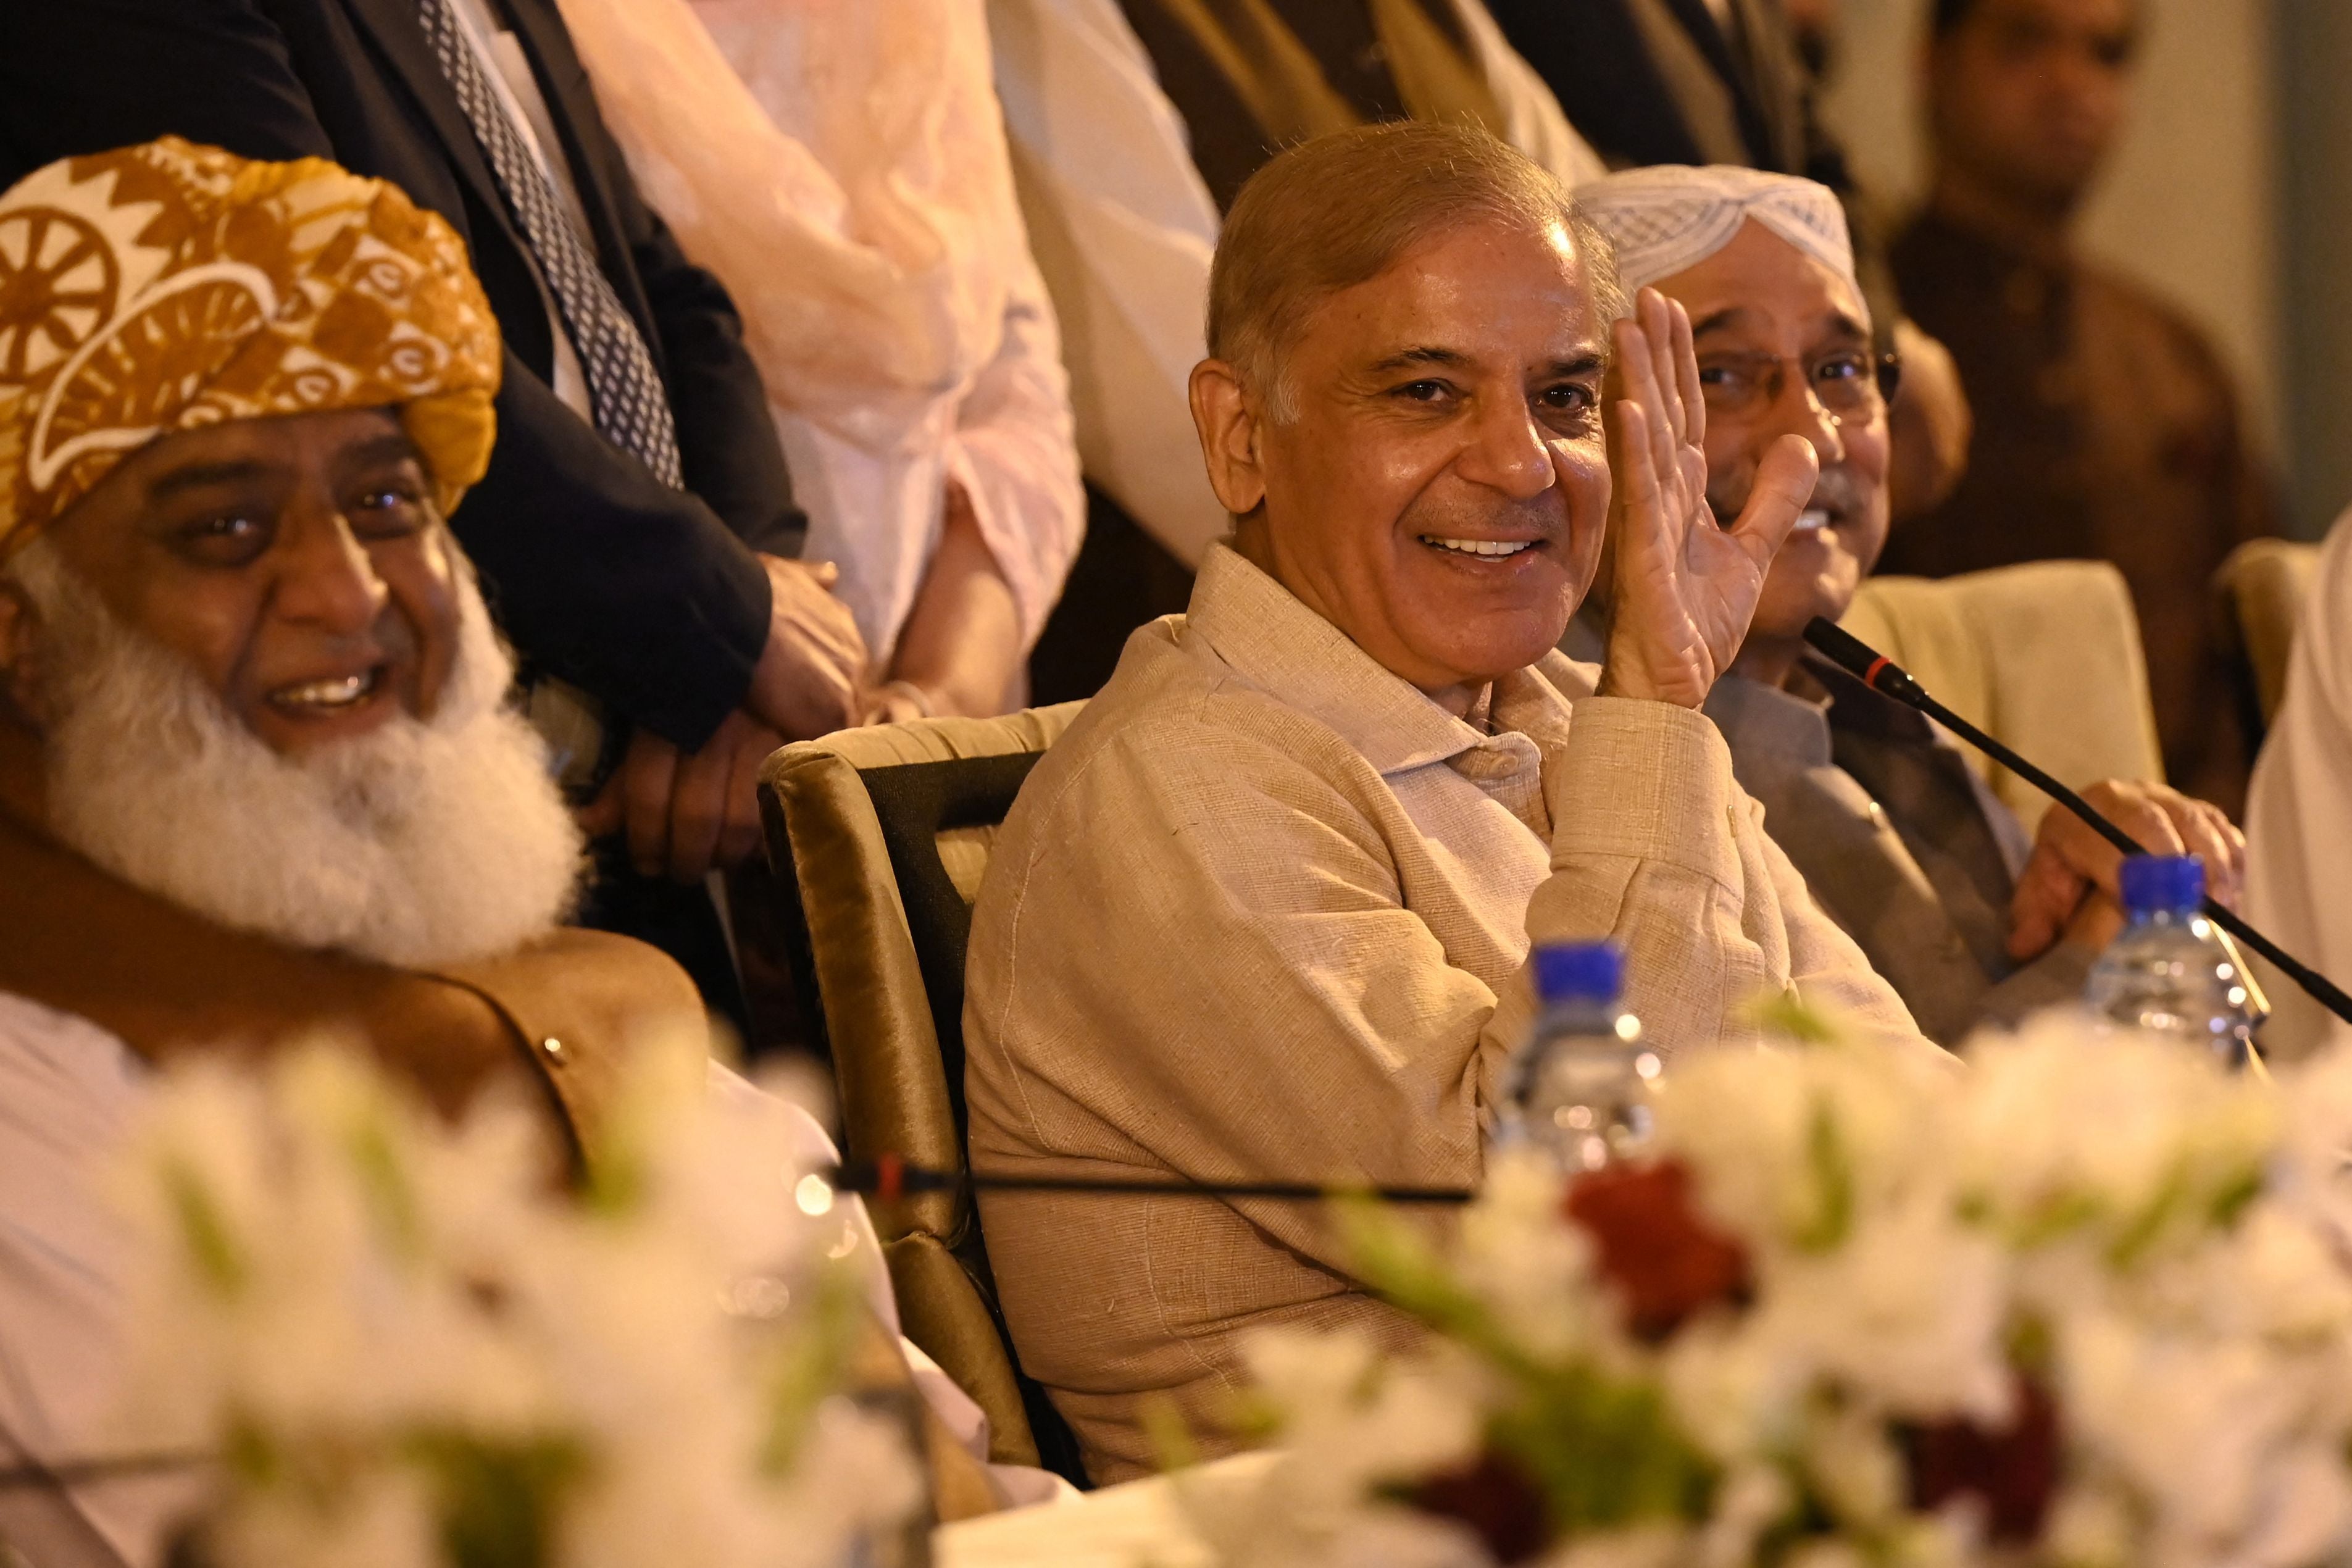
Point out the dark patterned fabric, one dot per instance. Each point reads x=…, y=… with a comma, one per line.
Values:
x=632, y=409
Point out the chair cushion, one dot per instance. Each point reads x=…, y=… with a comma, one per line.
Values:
x=2263, y=587
x=2045, y=656
x=879, y=839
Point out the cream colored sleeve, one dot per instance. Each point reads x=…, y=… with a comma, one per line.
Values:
x=1655, y=845
x=1224, y=981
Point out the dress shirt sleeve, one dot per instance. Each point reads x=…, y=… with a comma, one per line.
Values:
x=1014, y=452
x=1655, y=845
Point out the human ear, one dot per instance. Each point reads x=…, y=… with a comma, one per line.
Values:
x=1227, y=423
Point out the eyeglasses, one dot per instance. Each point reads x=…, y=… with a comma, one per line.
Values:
x=1847, y=382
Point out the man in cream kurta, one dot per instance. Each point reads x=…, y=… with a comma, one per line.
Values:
x=1263, y=912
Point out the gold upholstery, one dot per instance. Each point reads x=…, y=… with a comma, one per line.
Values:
x=878, y=838
x=2262, y=587
x=2045, y=656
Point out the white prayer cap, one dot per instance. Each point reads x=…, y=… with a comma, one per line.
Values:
x=1669, y=217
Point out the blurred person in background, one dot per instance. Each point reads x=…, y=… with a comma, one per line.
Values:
x=841, y=170
x=1731, y=83
x=1133, y=123
x=2107, y=428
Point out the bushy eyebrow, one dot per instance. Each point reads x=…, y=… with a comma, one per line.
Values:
x=203, y=476
x=1415, y=358
x=1730, y=314
x=392, y=447
x=1589, y=362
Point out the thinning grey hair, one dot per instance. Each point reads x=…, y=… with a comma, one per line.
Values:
x=1336, y=211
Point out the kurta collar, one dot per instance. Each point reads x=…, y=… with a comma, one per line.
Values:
x=1261, y=631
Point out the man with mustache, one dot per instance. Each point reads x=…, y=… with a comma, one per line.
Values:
x=260, y=779
x=1265, y=911
x=1898, y=840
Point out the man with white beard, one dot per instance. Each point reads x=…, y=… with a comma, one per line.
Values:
x=259, y=778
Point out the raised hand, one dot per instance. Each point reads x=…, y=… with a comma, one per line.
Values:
x=1682, y=588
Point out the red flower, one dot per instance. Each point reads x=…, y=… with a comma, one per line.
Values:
x=1655, y=1247
x=1496, y=1499
x=2012, y=1471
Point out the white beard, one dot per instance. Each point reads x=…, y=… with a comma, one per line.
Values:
x=420, y=844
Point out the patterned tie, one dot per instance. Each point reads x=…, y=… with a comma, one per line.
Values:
x=623, y=389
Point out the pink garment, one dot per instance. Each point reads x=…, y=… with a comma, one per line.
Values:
x=841, y=166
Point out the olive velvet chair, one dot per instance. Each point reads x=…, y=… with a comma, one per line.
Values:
x=878, y=838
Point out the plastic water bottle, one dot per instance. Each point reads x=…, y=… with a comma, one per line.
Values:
x=1579, y=1089
x=2168, y=972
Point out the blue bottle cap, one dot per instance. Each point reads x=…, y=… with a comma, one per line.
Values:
x=1579, y=971
x=2163, y=884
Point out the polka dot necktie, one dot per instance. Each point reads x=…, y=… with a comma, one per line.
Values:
x=625, y=391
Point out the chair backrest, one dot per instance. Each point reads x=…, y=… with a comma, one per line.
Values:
x=878, y=838
x=2263, y=587
x=2045, y=656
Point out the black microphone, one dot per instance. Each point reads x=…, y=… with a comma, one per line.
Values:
x=889, y=1177
x=1883, y=676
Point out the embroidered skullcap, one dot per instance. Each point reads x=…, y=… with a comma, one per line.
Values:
x=163, y=286
x=1670, y=217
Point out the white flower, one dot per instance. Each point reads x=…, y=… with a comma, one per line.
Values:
x=328, y=1274
x=1908, y=1316
x=2121, y=1134
x=1789, y=1145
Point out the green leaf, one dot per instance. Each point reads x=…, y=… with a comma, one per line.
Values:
x=1604, y=1451
x=1832, y=1168
x=498, y=1499
x=810, y=1364
x=389, y=1197
x=218, y=1258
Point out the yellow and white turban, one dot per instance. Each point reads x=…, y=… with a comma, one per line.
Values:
x=168, y=286
x=1670, y=217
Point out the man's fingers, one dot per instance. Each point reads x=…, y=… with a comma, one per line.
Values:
x=1639, y=508
x=2206, y=833
x=739, y=839
x=604, y=814
x=1639, y=364
x=647, y=774
x=1784, y=483
x=1686, y=382
x=2047, y=892
x=1657, y=313
x=698, y=809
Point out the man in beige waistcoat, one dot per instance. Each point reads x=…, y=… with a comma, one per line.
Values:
x=1265, y=911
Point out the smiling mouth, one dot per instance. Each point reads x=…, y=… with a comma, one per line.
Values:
x=1483, y=548
x=323, y=696
x=1812, y=518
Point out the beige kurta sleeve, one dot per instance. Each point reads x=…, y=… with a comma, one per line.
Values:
x=1654, y=844
x=1208, y=962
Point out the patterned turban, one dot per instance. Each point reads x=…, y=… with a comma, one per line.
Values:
x=164, y=287
x=1671, y=216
